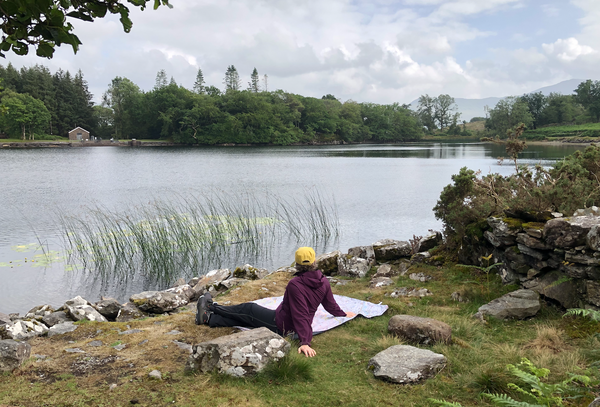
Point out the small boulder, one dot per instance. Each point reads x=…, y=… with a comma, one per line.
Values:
x=592, y=239
x=380, y=282
x=185, y=290
x=55, y=318
x=211, y=278
x=328, y=262
x=108, y=307
x=129, y=312
x=4, y=319
x=388, y=249
x=13, y=354
x=430, y=241
x=155, y=374
x=353, y=266
x=420, y=277
x=569, y=232
x=425, y=331
x=247, y=272
x=39, y=312
x=23, y=330
x=420, y=257
x=62, y=328
x=80, y=312
x=233, y=282
x=406, y=364
x=240, y=354
x=519, y=304
x=363, y=252
x=79, y=300
x=385, y=270
x=158, y=302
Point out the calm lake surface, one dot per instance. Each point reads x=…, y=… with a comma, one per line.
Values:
x=380, y=191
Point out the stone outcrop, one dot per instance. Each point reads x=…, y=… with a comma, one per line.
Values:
x=430, y=241
x=425, y=331
x=406, y=364
x=240, y=354
x=129, y=312
x=247, y=272
x=12, y=354
x=518, y=304
x=62, y=328
x=108, y=307
x=363, y=252
x=380, y=282
x=22, y=330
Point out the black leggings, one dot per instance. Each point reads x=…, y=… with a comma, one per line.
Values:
x=248, y=314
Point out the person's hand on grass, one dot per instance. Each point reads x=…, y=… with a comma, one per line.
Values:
x=307, y=350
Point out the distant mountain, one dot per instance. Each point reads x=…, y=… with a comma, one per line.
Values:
x=470, y=108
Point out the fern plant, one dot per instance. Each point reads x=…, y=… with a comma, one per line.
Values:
x=540, y=394
x=580, y=312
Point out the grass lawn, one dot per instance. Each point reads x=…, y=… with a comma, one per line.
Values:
x=477, y=358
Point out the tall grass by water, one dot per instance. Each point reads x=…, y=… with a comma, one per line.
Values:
x=184, y=236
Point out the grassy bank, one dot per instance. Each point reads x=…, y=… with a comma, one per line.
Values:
x=590, y=131
x=339, y=376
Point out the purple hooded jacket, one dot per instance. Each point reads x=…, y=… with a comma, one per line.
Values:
x=303, y=295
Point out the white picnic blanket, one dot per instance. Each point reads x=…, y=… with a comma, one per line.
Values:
x=323, y=320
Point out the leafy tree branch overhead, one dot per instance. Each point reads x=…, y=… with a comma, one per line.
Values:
x=44, y=25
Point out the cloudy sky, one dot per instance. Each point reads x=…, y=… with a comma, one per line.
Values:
x=378, y=51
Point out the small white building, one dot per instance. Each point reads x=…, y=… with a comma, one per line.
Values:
x=79, y=134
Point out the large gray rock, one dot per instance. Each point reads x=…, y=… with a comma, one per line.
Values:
x=158, y=302
x=248, y=272
x=581, y=258
x=569, y=232
x=406, y=364
x=353, y=266
x=430, y=241
x=557, y=286
x=62, y=328
x=108, y=307
x=424, y=331
x=129, y=312
x=12, y=354
x=57, y=317
x=328, y=262
x=518, y=304
x=363, y=252
x=23, y=330
x=595, y=403
x=240, y=354
x=388, y=249
x=592, y=289
x=80, y=312
x=591, y=211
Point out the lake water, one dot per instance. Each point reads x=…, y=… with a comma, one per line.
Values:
x=380, y=191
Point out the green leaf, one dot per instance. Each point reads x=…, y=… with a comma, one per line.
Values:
x=45, y=50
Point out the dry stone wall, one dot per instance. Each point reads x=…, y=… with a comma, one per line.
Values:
x=559, y=258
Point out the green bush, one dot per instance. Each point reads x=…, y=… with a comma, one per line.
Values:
x=531, y=192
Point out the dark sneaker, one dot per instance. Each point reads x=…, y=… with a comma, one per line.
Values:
x=202, y=312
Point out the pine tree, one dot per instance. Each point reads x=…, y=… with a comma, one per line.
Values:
x=254, y=84
x=172, y=82
x=199, y=84
x=161, y=79
x=232, y=79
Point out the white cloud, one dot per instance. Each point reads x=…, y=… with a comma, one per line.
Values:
x=567, y=50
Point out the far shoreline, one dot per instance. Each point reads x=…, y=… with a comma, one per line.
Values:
x=28, y=144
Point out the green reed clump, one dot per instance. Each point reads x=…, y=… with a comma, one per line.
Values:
x=166, y=239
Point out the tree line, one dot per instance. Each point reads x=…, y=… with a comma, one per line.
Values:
x=536, y=109
x=204, y=114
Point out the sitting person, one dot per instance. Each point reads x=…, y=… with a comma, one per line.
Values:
x=304, y=293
